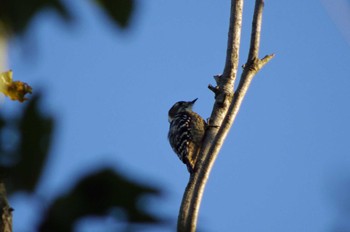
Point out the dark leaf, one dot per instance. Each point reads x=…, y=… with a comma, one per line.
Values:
x=2, y=125
x=119, y=10
x=97, y=195
x=15, y=15
x=35, y=140
x=3, y=169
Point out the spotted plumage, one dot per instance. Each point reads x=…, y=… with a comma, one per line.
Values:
x=186, y=132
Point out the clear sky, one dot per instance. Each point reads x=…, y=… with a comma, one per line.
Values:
x=287, y=153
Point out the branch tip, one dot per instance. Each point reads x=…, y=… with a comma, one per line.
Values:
x=267, y=58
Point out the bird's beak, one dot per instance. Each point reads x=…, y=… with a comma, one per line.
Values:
x=192, y=102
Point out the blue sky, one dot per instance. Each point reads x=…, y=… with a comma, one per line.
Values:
x=110, y=92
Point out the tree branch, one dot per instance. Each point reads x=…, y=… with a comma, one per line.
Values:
x=256, y=30
x=5, y=210
x=225, y=109
x=189, y=209
x=233, y=43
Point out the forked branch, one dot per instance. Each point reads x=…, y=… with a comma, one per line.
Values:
x=226, y=107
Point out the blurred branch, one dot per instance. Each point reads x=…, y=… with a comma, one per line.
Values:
x=5, y=210
x=225, y=109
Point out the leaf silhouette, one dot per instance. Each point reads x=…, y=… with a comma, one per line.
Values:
x=97, y=195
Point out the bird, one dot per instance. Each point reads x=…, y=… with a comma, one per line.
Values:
x=186, y=132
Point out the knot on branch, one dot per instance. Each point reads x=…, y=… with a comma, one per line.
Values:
x=255, y=64
x=221, y=95
x=216, y=89
x=251, y=65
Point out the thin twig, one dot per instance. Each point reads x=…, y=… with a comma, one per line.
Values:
x=256, y=30
x=233, y=42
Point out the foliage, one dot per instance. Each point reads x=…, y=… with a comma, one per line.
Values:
x=27, y=158
x=97, y=194
x=22, y=163
x=16, y=15
x=118, y=10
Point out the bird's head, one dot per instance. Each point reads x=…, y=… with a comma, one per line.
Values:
x=181, y=106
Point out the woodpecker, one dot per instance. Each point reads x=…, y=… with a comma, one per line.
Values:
x=186, y=132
